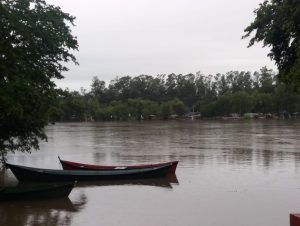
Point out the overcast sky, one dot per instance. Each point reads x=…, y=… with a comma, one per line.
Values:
x=133, y=37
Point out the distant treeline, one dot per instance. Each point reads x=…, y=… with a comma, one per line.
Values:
x=144, y=96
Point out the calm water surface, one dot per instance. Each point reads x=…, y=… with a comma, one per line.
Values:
x=234, y=173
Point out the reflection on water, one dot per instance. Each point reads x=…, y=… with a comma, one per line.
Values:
x=192, y=143
x=166, y=182
x=241, y=173
x=40, y=212
x=60, y=211
x=6, y=179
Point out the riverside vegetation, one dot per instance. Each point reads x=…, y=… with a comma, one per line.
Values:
x=36, y=41
x=135, y=98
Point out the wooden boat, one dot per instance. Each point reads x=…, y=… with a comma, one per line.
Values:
x=67, y=165
x=36, y=191
x=24, y=173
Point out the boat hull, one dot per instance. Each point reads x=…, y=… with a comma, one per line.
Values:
x=68, y=165
x=36, y=191
x=24, y=174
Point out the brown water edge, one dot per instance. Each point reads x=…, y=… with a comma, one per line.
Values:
x=230, y=173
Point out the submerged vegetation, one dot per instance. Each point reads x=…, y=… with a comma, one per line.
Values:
x=164, y=96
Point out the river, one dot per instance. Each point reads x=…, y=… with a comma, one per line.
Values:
x=230, y=173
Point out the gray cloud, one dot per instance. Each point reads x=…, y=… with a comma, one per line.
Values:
x=132, y=37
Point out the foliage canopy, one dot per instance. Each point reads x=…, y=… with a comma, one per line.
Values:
x=165, y=96
x=277, y=25
x=35, y=40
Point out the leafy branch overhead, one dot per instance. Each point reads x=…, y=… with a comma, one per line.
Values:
x=35, y=41
x=277, y=25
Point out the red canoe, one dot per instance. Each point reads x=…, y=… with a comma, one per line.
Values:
x=67, y=165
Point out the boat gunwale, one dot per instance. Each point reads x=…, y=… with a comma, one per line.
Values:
x=88, y=172
x=104, y=167
x=69, y=165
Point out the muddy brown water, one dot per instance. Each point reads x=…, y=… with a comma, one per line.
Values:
x=231, y=173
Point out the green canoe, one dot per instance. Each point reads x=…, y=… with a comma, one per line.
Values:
x=24, y=173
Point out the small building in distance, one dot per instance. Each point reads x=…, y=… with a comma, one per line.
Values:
x=192, y=115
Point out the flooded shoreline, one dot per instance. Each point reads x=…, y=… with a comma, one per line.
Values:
x=229, y=173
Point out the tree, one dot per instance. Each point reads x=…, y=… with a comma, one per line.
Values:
x=277, y=26
x=97, y=87
x=166, y=109
x=98, y=90
x=263, y=103
x=178, y=107
x=222, y=85
x=35, y=41
x=186, y=89
x=74, y=107
x=120, y=87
